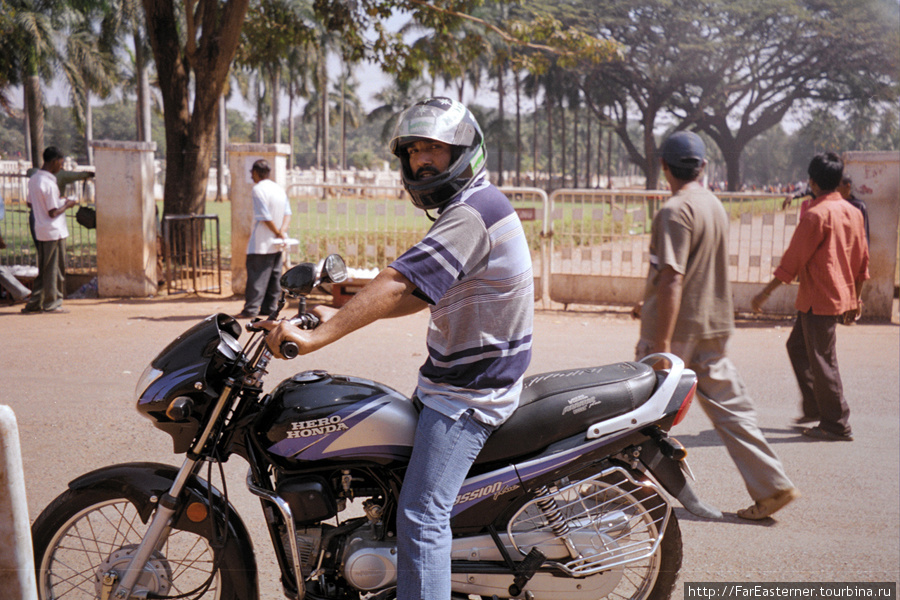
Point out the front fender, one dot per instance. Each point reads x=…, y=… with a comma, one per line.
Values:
x=139, y=482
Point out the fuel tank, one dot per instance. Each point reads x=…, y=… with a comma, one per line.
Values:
x=316, y=416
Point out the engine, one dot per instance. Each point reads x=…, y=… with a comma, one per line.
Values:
x=370, y=563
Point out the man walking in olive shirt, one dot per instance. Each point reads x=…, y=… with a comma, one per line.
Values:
x=829, y=255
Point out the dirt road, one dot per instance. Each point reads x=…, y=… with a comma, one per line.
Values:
x=70, y=379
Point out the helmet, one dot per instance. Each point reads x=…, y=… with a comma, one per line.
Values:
x=447, y=121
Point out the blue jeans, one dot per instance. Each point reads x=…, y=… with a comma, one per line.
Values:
x=443, y=451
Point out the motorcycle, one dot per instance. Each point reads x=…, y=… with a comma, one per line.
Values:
x=570, y=499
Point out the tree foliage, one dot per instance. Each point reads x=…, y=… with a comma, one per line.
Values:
x=767, y=57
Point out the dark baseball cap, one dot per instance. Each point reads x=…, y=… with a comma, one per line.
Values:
x=683, y=149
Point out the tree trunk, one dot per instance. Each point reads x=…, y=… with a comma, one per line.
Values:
x=322, y=76
x=221, y=140
x=260, y=136
x=27, y=133
x=518, y=133
x=34, y=104
x=587, y=159
x=343, y=124
x=562, y=145
x=190, y=136
x=609, y=142
x=275, y=92
x=733, y=168
x=501, y=96
x=575, y=146
x=143, y=89
x=88, y=127
x=549, y=145
x=290, y=161
x=650, y=165
x=534, y=146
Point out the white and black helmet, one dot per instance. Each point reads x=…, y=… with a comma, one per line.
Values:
x=447, y=121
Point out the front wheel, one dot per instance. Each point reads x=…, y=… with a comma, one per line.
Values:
x=87, y=534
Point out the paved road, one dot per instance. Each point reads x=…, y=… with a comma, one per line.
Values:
x=70, y=379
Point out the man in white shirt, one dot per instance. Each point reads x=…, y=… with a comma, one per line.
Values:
x=271, y=217
x=50, y=233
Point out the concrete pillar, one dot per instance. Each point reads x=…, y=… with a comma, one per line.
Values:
x=126, y=218
x=17, y=579
x=876, y=180
x=240, y=158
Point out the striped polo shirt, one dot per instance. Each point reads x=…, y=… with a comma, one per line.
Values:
x=474, y=266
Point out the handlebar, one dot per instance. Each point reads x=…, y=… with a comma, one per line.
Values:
x=305, y=321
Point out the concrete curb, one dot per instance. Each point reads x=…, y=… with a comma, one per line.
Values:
x=17, y=579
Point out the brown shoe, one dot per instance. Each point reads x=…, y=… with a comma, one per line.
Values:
x=768, y=506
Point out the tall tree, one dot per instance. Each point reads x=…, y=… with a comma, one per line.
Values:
x=272, y=30
x=661, y=41
x=350, y=107
x=90, y=69
x=29, y=56
x=393, y=100
x=764, y=58
x=123, y=19
x=193, y=50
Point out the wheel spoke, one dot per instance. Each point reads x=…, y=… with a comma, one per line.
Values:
x=102, y=536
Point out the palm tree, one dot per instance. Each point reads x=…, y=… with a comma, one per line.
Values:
x=394, y=99
x=296, y=76
x=350, y=107
x=122, y=19
x=272, y=30
x=89, y=67
x=29, y=55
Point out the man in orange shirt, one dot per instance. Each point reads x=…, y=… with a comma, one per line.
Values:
x=829, y=255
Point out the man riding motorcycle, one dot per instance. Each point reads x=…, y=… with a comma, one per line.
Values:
x=473, y=270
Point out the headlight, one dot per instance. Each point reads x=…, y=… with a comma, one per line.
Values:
x=147, y=378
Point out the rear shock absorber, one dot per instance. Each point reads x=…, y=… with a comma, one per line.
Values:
x=550, y=509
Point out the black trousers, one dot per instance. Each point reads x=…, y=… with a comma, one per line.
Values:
x=263, y=283
x=813, y=353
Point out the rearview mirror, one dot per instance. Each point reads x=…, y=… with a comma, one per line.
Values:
x=334, y=269
x=303, y=278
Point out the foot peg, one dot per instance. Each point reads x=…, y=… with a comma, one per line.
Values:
x=525, y=570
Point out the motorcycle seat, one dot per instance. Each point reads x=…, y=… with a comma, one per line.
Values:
x=557, y=405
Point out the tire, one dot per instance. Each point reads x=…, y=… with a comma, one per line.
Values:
x=670, y=553
x=85, y=533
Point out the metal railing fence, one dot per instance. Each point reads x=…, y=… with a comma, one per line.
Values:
x=370, y=226
x=607, y=232
x=192, y=254
x=571, y=231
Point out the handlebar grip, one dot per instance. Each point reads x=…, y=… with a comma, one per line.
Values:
x=306, y=321
x=289, y=350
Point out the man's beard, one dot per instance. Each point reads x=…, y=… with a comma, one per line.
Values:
x=427, y=172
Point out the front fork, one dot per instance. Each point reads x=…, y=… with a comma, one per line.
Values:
x=160, y=524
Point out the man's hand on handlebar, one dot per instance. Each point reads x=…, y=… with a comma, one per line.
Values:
x=324, y=312
x=283, y=332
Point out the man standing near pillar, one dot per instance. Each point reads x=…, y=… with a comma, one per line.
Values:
x=271, y=217
x=50, y=235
